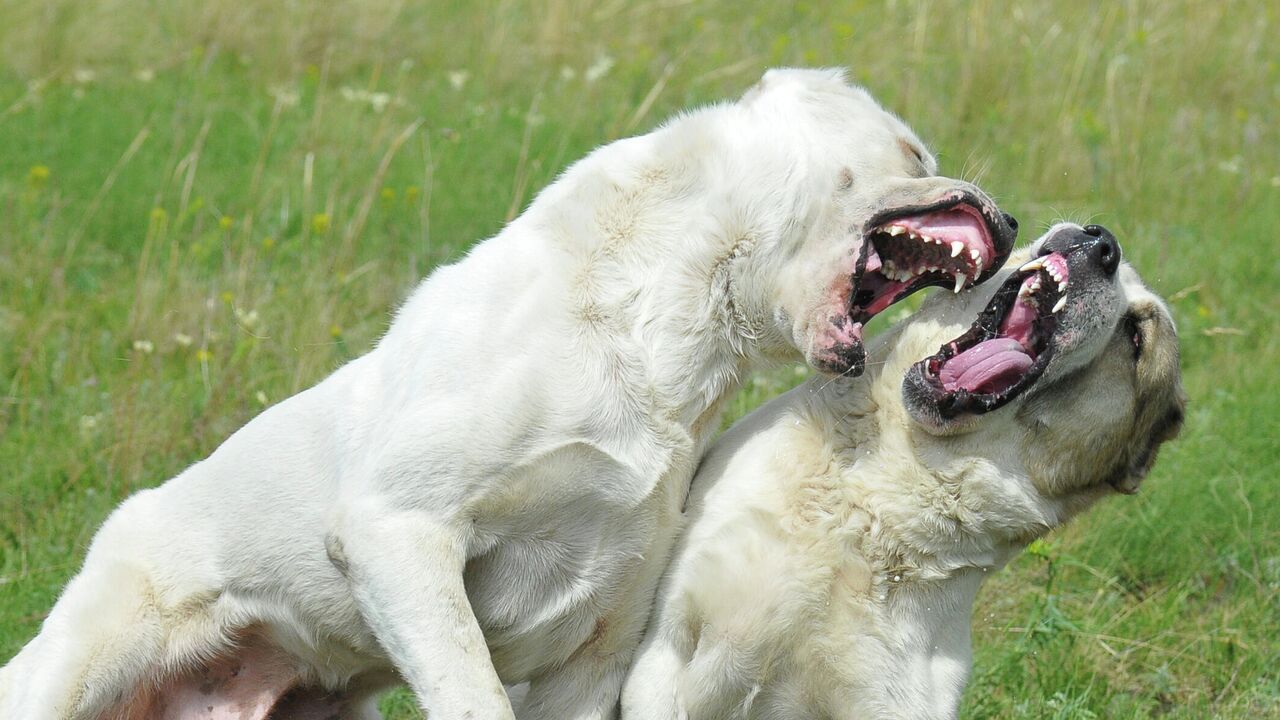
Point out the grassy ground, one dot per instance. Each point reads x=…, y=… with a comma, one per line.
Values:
x=207, y=206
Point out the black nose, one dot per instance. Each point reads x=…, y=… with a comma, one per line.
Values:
x=1011, y=220
x=1097, y=241
x=1105, y=250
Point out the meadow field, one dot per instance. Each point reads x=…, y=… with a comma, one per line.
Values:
x=205, y=207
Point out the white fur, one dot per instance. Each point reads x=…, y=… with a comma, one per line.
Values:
x=529, y=424
x=835, y=546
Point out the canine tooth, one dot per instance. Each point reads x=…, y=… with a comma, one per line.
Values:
x=960, y=278
x=1032, y=265
x=1024, y=291
x=1062, y=301
x=956, y=247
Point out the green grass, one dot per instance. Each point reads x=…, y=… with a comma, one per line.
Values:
x=205, y=207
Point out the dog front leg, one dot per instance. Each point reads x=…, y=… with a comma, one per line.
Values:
x=405, y=570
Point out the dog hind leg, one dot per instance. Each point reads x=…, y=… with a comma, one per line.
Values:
x=101, y=638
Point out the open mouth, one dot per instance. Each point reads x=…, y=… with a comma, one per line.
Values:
x=949, y=244
x=1007, y=348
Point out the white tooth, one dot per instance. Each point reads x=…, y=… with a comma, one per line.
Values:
x=896, y=230
x=1033, y=265
x=1062, y=301
x=1024, y=291
x=960, y=278
x=1035, y=285
x=1062, y=285
x=975, y=254
x=1053, y=273
x=956, y=247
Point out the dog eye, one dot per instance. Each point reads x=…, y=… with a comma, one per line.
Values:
x=1134, y=332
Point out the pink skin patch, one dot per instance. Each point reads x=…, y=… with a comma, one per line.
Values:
x=253, y=680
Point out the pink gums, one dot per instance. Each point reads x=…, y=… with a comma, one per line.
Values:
x=961, y=222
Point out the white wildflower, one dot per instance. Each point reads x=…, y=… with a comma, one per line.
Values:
x=247, y=319
x=458, y=78
x=146, y=347
x=286, y=96
x=599, y=68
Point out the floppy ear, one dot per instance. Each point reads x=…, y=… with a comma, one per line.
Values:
x=1154, y=429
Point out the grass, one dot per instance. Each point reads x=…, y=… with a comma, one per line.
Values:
x=207, y=206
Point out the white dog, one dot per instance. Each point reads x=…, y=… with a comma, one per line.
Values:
x=839, y=534
x=490, y=494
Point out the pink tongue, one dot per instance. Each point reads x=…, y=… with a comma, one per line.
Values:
x=987, y=367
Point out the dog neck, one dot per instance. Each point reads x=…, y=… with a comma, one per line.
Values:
x=665, y=271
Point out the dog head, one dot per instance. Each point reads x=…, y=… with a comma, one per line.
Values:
x=1069, y=371
x=870, y=221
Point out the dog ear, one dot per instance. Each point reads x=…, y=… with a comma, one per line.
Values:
x=1164, y=428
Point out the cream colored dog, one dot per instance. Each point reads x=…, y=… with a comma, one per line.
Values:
x=839, y=534
x=490, y=494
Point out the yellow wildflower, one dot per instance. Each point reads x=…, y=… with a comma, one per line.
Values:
x=38, y=176
x=320, y=223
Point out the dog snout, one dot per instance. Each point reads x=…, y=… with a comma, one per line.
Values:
x=1010, y=220
x=1099, y=243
